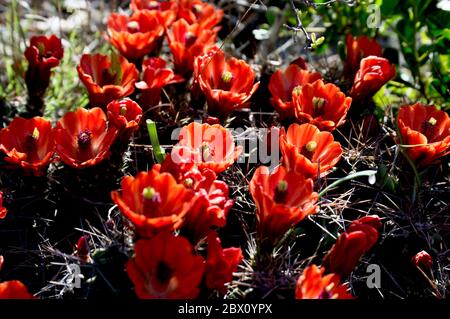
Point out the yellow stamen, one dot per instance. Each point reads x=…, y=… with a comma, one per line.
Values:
x=311, y=146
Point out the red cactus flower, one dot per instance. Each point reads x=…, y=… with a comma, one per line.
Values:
x=307, y=150
x=283, y=198
x=197, y=11
x=226, y=83
x=220, y=263
x=323, y=105
x=82, y=138
x=83, y=249
x=423, y=259
x=425, y=131
x=125, y=115
x=282, y=83
x=3, y=212
x=106, y=78
x=43, y=54
x=156, y=76
x=312, y=284
x=153, y=201
x=14, y=289
x=211, y=204
x=164, y=267
x=168, y=10
x=374, y=72
x=359, y=238
x=28, y=143
x=135, y=36
x=188, y=41
x=207, y=146
x=357, y=49
x=181, y=168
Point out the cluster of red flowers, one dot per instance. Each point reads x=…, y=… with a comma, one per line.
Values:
x=183, y=194
x=285, y=196
x=81, y=138
x=177, y=206
x=300, y=94
x=359, y=238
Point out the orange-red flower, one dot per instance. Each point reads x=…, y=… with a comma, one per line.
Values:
x=83, y=249
x=283, y=198
x=156, y=76
x=197, y=11
x=211, y=204
x=14, y=289
x=359, y=238
x=167, y=10
x=374, y=72
x=424, y=259
x=153, y=201
x=135, y=36
x=226, y=83
x=206, y=146
x=125, y=115
x=43, y=54
x=323, y=105
x=425, y=132
x=359, y=48
x=312, y=284
x=220, y=263
x=188, y=41
x=307, y=150
x=28, y=143
x=164, y=267
x=282, y=83
x=106, y=78
x=82, y=138
x=3, y=212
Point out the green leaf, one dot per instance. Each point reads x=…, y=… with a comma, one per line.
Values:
x=390, y=7
x=157, y=150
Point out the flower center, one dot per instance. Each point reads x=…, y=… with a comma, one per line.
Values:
x=163, y=272
x=311, y=146
x=84, y=138
x=35, y=134
x=297, y=90
x=41, y=48
x=308, y=149
x=189, y=39
x=123, y=110
x=133, y=27
x=227, y=76
x=153, y=5
x=318, y=105
x=432, y=121
x=197, y=8
x=31, y=140
x=151, y=194
x=281, y=192
x=207, y=152
x=428, y=127
x=107, y=78
x=188, y=182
